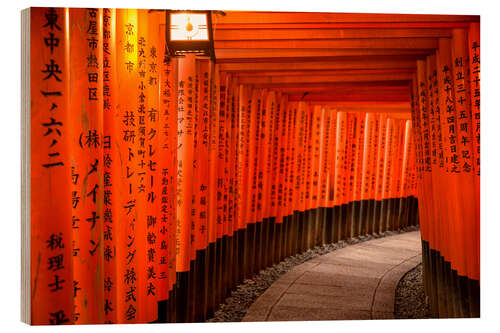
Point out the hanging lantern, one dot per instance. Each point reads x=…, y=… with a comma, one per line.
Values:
x=189, y=31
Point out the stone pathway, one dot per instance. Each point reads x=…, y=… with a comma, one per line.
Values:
x=353, y=283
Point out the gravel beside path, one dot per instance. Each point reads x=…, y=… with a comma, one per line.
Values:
x=235, y=306
x=410, y=297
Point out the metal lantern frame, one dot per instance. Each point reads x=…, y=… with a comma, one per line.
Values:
x=178, y=48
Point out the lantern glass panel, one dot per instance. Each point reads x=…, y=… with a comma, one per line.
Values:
x=188, y=26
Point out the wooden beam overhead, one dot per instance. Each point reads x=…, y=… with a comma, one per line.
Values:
x=322, y=72
x=346, y=25
x=280, y=55
x=367, y=106
x=393, y=88
x=326, y=85
x=319, y=17
x=286, y=34
x=355, y=107
x=400, y=115
x=390, y=106
x=324, y=79
x=355, y=96
x=382, y=43
x=340, y=64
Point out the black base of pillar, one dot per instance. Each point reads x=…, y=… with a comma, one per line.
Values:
x=450, y=295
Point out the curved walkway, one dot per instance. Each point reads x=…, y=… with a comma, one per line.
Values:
x=353, y=283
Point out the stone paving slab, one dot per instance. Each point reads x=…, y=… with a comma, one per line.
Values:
x=332, y=291
x=361, y=271
x=335, y=279
x=351, y=262
x=360, y=302
x=353, y=283
x=288, y=313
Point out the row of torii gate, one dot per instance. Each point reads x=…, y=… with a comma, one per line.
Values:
x=309, y=128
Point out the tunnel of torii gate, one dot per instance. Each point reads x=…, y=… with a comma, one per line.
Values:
x=304, y=129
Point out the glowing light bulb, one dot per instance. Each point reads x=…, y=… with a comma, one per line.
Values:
x=189, y=26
